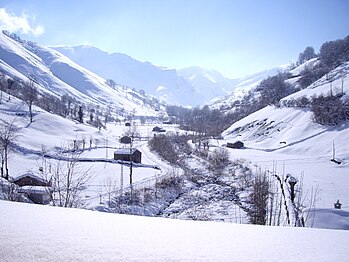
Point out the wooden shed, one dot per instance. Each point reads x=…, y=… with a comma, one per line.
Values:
x=34, y=187
x=158, y=129
x=125, y=154
x=29, y=179
x=237, y=145
x=125, y=140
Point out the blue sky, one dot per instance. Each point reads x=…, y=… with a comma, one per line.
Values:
x=236, y=37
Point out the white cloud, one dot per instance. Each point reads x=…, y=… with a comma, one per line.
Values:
x=14, y=23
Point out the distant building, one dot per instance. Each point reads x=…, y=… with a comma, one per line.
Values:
x=125, y=153
x=29, y=179
x=158, y=129
x=34, y=187
x=237, y=145
x=127, y=124
x=125, y=140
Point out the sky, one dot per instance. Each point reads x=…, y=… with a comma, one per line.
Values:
x=234, y=37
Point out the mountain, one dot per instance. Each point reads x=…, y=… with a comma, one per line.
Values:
x=209, y=83
x=244, y=85
x=190, y=86
x=57, y=75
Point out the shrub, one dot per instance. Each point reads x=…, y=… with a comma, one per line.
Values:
x=219, y=158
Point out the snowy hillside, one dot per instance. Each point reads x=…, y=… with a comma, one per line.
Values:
x=335, y=82
x=244, y=85
x=289, y=138
x=58, y=75
x=209, y=83
x=40, y=233
x=190, y=86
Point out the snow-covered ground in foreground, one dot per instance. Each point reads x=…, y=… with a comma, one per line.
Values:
x=41, y=233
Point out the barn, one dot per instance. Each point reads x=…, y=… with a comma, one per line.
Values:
x=125, y=153
x=237, y=145
x=158, y=129
x=29, y=179
x=34, y=187
x=125, y=140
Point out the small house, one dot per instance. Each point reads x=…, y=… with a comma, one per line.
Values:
x=236, y=145
x=29, y=179
x=125, y=140
x=127, y=154
x=158, y=129
x=34, y=187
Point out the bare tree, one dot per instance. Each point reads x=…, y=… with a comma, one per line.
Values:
x=110, y=187
x=8, y=134
x=67, y=179
x=30, y=94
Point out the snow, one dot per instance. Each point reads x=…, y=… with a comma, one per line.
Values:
x=58, y=75
x=40, y=179
x=41, y=233
x=305, y=147
x=282, y=139
x=126, y=71
x=243, y=85
x=188, y=86
x=53, y=132
x=308, y=64
x=124, y=151
x=332, y=82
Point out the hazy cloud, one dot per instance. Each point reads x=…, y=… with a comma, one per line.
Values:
x=22, y=24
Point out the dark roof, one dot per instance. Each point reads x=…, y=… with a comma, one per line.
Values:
x=31, y=175
x=125, y=151
x=126, y=140
x=158, y=129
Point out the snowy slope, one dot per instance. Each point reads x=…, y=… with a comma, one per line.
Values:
x=41, y=233
x=288, y=138
x=209, y=83
x=244, y=85
x=192, y=86
x=336, y=81
x=58, y=75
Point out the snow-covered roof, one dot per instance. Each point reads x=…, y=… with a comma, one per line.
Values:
x=31, y=175
x=125, y=151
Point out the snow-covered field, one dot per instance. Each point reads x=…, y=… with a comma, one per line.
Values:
x=41, y=233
